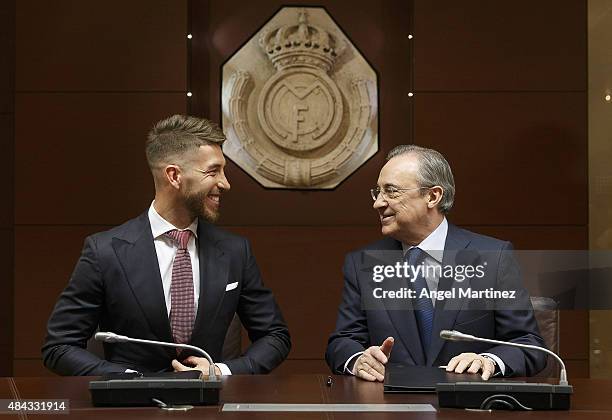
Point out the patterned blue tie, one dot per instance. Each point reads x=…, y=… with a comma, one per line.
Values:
x=423, y=308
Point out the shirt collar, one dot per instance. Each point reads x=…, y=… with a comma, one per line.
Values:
x=434, y=243
x=159, y=225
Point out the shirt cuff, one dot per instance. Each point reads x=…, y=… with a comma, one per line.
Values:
x=131, y=371
x=348, y=362
x=500, y=364
x=224, y=369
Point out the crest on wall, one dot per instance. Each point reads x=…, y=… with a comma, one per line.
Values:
x=299, y=103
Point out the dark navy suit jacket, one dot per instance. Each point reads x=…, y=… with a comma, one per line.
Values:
x=361, y=323
x=117, y=286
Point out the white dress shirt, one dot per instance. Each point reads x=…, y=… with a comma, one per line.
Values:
x=166, y=248
x=433, y=245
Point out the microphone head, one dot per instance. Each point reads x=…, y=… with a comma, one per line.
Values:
x=108, y=337
x=455, y=336
x=444, y=334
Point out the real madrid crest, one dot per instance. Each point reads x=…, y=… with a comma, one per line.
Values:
x=299, y=103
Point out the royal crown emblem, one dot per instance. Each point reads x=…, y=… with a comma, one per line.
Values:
x=299, y=103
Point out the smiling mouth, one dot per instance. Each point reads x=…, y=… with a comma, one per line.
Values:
x=384, y=219
x=214, y=198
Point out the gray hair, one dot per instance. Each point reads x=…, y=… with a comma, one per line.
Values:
x=174, y=136
x=433, y=170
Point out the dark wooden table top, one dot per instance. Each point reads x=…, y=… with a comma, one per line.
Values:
x=592, y=399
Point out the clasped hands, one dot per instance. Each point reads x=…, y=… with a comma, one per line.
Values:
x=371, y=364
x=194, y=363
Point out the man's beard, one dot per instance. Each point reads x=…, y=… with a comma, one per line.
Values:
x=195, y=203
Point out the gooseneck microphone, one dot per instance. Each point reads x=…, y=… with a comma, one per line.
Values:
x=507, y=395
x=459, y=336
x=109, y=337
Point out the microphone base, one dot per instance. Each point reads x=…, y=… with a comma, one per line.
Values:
x=129, y=390
x=504, y=395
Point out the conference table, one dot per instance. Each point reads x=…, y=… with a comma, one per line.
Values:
x=592, y=399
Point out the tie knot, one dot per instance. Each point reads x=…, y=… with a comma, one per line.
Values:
x=181, y=237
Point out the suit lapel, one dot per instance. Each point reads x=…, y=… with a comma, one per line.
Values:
x=445, y=315
x=136, y=253
x=404, y=320
x=214, y=271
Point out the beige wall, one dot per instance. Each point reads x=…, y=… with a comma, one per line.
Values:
x=600, y=169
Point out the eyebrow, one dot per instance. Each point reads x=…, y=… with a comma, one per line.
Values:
x=215, y=166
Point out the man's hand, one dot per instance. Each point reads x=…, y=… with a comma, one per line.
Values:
x=476, y=363
x=371, y=364
x=194, y=363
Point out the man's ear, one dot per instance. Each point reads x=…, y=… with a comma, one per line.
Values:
x=172, y=175
x=434, y=196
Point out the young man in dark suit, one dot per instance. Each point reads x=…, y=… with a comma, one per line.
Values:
x=169, y=274
x=415, y=191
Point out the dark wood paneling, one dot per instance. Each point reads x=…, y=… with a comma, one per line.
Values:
x=518, y=158
x=7, y=167
x=500, y=45
x=6, y=301
x=30, y=367
x=81, y=156
x=538, y=237
x=7, y=81
x=574, y=334
x=7, y=55
x=577, y=369
x=111, y=45
x=57, y=249
x=303, y=266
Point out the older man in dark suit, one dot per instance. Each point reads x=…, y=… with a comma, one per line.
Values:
x=169, y=274
x=415, y=192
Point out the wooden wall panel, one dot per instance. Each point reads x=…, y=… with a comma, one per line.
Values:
x=72, y=45
x=7, y=56
x=500, y=45
x=6, y=301
x=7, y=161
x=90, y=163
x=30, y=367
x=517, y=158
x=7, y=148
x=38, y=285
x=538, y=237
x=574, y=334
x=577, y=368
x=303, y=266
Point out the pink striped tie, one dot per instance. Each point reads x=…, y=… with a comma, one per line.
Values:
x=182, y=306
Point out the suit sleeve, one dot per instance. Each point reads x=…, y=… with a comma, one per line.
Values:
x=262, y=318
x=351, y=334
x=516, y=322
x=74, y=320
